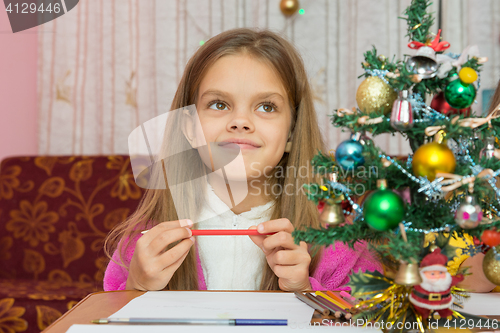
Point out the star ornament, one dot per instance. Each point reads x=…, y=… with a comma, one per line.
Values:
x=435, y=44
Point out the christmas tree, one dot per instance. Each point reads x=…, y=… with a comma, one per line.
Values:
x=414, y=205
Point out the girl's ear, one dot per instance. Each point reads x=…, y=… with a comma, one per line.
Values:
x=188, y=127
x=191, y=127
x=288, y=146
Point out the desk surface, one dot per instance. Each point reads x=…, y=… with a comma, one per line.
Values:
x=96, y=305
x=103, y=304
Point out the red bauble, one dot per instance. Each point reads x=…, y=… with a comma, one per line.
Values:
x=346, y=206
x=441, y=105
x=491, y=237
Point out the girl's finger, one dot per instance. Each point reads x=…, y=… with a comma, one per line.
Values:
x=282, y=238
x=172, y=257
x=166, y=274
x=258, y=240
x=289, y=257
x=166, y=237
x=286, y=257
x=285, y=272
x=161, y=227
x=276, y=226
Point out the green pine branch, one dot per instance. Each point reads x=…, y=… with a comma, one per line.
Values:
x=418, y=20
x=417, y=132
x=380, y=62
x=425, y=214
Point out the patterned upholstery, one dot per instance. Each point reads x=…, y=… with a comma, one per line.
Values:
x=54, y=214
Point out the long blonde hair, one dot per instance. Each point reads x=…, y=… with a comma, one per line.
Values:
x=495, y=100
x=157, y=205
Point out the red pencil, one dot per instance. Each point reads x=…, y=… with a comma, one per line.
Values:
x=226, y=232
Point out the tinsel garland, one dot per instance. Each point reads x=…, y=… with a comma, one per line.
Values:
x=384, y=301
x=422, y=121
x=437, y=217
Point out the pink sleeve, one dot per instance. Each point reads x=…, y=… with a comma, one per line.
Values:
x=115, y=276
x=338, y=262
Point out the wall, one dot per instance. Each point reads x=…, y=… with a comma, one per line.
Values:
x=18, y=90
x=108, y=66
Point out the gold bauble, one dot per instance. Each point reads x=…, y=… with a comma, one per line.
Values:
x=289, y=7
x=491, y=267
x=432, y=158
x=332, y=214
x=374, y=94
x=408, y=274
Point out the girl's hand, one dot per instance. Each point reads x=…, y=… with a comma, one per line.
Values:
x=290, y=262
x=151, y=267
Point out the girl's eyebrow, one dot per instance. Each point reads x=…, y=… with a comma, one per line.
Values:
x=262, y=95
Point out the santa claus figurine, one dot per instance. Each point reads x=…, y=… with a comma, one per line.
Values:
x=433, y=294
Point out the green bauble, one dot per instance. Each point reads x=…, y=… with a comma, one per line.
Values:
x=459, y=95
x=383, y=210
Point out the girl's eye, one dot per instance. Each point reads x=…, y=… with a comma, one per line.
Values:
x=267, y=108
x=218, y=106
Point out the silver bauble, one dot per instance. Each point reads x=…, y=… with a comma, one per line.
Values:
x=469, y=214
x=423, y=63
x=489, y=149
x=402, y=113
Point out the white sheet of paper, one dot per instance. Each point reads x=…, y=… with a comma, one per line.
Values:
x=227, y=305
x=192, y=304
x=209, y=329
x=487, y=304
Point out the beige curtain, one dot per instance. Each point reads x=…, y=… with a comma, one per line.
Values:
x=109, y=65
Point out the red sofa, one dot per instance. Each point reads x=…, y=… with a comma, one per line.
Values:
x=54, y=214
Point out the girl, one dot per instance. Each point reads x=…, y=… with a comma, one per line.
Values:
x=250, y=89
x=495, y=100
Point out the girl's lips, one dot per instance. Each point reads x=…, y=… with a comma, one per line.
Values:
x=242, y=144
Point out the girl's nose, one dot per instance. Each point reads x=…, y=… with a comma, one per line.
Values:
x=240, y=122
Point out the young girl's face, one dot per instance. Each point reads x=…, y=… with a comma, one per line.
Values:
x=242, y=101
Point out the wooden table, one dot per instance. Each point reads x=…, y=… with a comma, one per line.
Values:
x=97, y=305
x=104, y=304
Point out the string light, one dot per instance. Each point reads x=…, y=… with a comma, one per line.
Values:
x=342, y=188
x=302, y=11
x=497, y=255
x=202, y=42
x=425, y=231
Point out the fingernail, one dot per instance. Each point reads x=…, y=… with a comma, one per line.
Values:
x=260, y=228
x=185, y=223
x=190, y=232
x=192, y=238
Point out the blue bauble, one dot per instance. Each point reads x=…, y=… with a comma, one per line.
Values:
x=349, y=154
